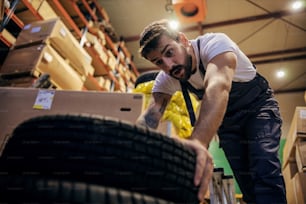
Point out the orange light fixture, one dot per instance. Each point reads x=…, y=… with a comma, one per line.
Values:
x=189, y=11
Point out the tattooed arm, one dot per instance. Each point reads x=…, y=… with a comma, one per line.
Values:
x=151, y=117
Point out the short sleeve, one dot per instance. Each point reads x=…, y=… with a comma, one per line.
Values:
x=165, y=84
x=215, y=44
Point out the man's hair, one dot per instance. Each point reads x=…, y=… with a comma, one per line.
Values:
x=151, y=34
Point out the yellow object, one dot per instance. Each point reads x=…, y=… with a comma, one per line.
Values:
x=176, y=111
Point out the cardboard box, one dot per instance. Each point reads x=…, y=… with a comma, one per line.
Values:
x=289, y=171
x=301, y=120
x=300, y=155
x=35, y=3
x=54, y=32
x=100, y=68
x=24, y=81
x=112, y=61
x=99, y=57
x=26, y=16
x=100, y=80
x=8, y=36
x=28, y=13
x=107, y=85
x=92, y=83
x=16, y=105
x=39, y=59
x=122, y=85
x=297, y=129
x=299, y=189
x=46, y=11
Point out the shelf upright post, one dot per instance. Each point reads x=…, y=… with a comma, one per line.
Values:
x=9, y=15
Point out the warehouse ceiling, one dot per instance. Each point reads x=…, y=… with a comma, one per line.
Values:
x=269, y=32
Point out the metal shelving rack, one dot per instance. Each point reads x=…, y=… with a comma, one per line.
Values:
x=77, y=15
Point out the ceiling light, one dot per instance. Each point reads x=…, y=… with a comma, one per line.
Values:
x=174, y=24
x=297, y=5
x=280, y=74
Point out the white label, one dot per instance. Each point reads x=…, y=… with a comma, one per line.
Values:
x=44, y=99
x=48, y=57
x=63, y=32
x=35, y=29
x=26, y=27
x=303, y=114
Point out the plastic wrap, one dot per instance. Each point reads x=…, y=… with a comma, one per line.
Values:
x=176, y=111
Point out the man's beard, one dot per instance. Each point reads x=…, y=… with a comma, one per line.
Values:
x=187, y=67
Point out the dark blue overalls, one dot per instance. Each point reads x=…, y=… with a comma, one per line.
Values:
x=250, y=135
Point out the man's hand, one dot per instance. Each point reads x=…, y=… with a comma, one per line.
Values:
x=204, y=165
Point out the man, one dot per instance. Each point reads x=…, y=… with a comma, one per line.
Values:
x=237, y=104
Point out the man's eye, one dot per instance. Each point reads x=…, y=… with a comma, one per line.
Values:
x=170, y=53
x=159, y=62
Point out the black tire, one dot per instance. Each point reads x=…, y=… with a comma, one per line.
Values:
x=20, y=189
x=102, y=151
x=146, y=77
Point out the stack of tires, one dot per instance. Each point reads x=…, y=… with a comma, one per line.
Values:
x=93, y=159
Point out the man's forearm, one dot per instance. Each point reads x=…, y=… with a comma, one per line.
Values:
x=151, y=117
x=212, y=111
x=148, y=119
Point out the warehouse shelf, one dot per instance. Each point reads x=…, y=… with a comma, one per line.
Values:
x=66, y=18
x=11, y=22
x=33, y=10
x=111, y=58
x=89, y=10
x=100, y=11
x=73, y=10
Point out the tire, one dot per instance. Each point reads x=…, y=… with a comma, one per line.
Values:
x=20, y=189
x=102, y=151
x=145, y=77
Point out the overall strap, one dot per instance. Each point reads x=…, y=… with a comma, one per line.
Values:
x=201, y=66
x=188, y=103
x=187, y=86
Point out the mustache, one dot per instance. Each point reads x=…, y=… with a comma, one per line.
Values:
x=176, y=69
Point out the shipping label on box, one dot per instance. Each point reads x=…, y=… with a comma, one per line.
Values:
x=301, y=120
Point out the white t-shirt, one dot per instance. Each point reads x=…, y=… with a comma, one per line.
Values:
x=212, y=44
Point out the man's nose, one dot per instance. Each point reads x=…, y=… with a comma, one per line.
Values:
x=168, y=62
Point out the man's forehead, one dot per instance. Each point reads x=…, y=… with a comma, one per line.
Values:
x=163, y=42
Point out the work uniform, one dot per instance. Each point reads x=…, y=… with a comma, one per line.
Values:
x=251, y=128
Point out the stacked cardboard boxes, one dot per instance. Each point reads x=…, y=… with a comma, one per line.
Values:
x=41, y=7
x=100, y=56
x=94, y=47
x=49, y=47
x=294, y=158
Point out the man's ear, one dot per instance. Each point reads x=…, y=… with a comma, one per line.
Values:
x=183, y=39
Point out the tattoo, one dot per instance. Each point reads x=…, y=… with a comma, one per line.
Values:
x=151, y=120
